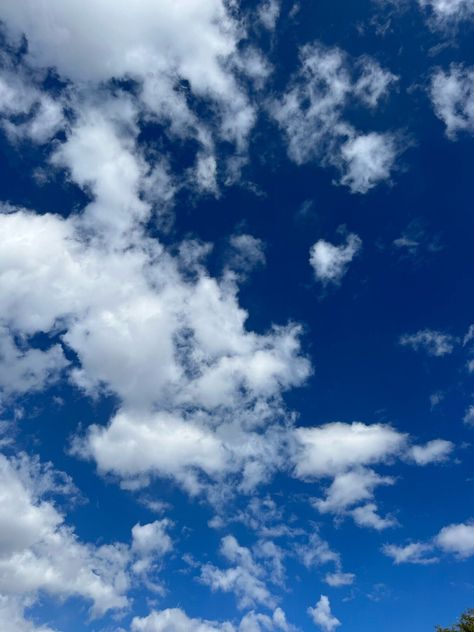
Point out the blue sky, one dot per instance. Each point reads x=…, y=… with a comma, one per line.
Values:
x=236, y=337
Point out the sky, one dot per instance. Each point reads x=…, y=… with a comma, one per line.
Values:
x=236, y=315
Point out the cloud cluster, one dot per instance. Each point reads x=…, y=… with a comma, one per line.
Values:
x=39, y=552
x=312, y=115
x=454, y=539
x=434, y=343
x=447, y=13
x=176, y=620
x=452, y=95
x=346, y=454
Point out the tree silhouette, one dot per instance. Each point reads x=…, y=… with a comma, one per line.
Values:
x=465, y=624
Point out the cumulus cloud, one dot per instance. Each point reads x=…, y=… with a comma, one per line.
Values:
x=367, y=516
x=334, y=447
x=245, y=579
x=452, y=95
x=322, y=615
x=312, y=115
x=159, y=340
x=176, y=620
x=330, y=262
x=40, y=552
x=434, y=343
x=12, y=616
x=454, y=539
x=346, y=454
x=42, y=115
x=457, y=539
x=434, y=451
x=24, y=369
x=338, y=447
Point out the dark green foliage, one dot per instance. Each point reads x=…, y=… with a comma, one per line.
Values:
x=466, y=623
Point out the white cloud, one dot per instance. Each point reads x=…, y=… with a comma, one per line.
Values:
x=159, y=340
x=434, y=451
x=246, y=252
x=150, y=542
x=330, y=262
x=452, y=95
x=312, y=115
x=367, y=516
x=24, y=370
x=434, y=343
x=351, y=488
x=339, y=579
x=176, y=620
x=469, y=416
x=322, y=615
x=317, y=552
x=18, y=96
x=158, y=48
x=454, y=539
x=40, y=553
x=12, y=616
x=457, y=539
x=268, y=13
x=244, y=579
x=344, y=453
x=413, y=553
x=446, y=13
x=337, y=447
x=368, y=159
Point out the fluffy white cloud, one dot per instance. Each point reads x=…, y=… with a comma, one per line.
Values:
x=159, y=340
x=368, y=159
x=40, y=553
x=434, y=343
x=351, y=488
x=176, y=620
x=12, y=616
x=18, y=96
x=23, y=370
x=434, y=451
x=311, y=113
x=413, y=553
x=244, y=579
x=346, y=453
x=457, y=539
x=322, y=615
x=330, y=262
x=452, y=95
x=156, y=45
x=367, y=516
x=338, y=447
